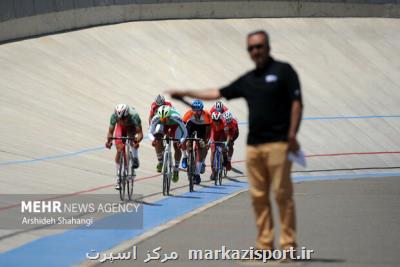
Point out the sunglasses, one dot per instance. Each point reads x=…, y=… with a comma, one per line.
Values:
x=256, y=46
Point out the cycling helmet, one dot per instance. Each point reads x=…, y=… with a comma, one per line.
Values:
x=227, y=116
x=216, y=116
x=164, y=112
x=160, y=100
x=121, y=111
x=197, y=105
x=219, y=106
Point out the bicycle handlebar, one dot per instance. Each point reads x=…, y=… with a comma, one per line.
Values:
x=218, y=142
x=193, y=139
x=170, y=139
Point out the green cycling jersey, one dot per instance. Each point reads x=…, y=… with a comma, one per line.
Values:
x=133, y=118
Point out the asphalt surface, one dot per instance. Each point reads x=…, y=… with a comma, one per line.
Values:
x=347, y=223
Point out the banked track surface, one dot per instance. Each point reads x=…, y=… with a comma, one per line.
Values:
x=57, y=93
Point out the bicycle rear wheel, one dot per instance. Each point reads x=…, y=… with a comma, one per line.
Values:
x=130, y=176
x=220, y=172
x=122, y=177
x=169, y=172
x=166, y=175
x=191, y=169
x=225, y=171
x=216, y=166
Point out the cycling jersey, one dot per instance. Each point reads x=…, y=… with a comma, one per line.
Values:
x=174, y=123
x=154, y=107
x=218, y=132
x=204, y=119
x=213, y=109
x=232, y=129
x=198, y=125
x=123, y=131
x=133, y=119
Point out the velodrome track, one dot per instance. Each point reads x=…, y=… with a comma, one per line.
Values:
x=57, y=94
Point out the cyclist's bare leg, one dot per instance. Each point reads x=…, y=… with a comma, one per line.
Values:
x=211, y=156
x=212, y=161
x=178, y=154
x=159, y=150
x=230, y=152
x=185, y=153
x=131, y=132
x=201, y=158
x=120, y=148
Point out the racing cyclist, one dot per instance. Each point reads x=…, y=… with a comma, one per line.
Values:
x=167, y=121
x=158, y=102
x=232, y=132
x=219, y=106
x=125, y=121
x=218, y=134
x=199, y=120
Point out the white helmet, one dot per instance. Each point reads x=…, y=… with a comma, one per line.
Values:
x=121, y=110
x=219, y=106
x=227, y=116
x=160, y=100
x=216, y=116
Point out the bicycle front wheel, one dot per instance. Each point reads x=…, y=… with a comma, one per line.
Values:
x=166, y=174
x=216, y=165
x=122, y=176
x=191, y=170
x=225, y=171
x=130, y=177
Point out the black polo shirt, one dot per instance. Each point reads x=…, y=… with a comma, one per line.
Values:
x=269, y=93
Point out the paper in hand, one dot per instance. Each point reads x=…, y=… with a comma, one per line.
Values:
x=298, y=157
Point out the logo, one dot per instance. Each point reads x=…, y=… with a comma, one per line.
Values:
x=271, y=78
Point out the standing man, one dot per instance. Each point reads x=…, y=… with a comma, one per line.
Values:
x=272, y=92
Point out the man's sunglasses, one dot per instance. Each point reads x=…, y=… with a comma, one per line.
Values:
x=256, y=46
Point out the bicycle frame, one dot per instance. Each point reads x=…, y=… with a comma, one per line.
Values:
x=192, y=159
x=126, y=173
x=167, y=164
x=218, y=161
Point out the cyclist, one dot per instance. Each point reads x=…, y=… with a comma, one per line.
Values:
x=232, y=133
x=199, y=120
x=125, y=121
x=167, y=121
x=218, y=134
x=158, y=102
x=219, y=106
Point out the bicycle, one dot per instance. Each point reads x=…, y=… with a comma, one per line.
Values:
x=126, y=172
x=168, y=163
x=192, y=159
x=218, y=164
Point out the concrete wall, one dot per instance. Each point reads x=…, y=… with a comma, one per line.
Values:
x=26, y=18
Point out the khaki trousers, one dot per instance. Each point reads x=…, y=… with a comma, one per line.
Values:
x=267, y=164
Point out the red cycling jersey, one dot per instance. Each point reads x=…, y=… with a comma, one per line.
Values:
x=214, y=109
x=218, y=132
x=154, y=108
x=232, y=129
